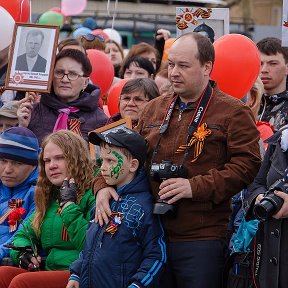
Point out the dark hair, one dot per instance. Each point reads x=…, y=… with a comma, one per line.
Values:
x=35, y=32
x=139, y=62
x=205, y=47
x=145, y=85
x=79, y=57
x=69, y=42
x=272, y=46
x=205, y=28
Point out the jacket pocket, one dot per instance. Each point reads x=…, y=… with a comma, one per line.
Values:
x=216, y=142
x=149, y=126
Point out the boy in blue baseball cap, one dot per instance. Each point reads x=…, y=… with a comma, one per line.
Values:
x=129, y=251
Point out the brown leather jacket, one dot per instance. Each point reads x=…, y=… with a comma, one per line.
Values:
x=229, y=162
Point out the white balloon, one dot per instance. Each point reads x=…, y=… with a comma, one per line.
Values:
x=6, y=28
x=114, y=35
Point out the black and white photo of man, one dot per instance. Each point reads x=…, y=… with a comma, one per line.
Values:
x=31, y=60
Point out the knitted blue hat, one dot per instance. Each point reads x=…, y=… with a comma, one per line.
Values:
x=19, y=144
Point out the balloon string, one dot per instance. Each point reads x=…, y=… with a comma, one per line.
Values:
x=114, y=12
x=30, y=14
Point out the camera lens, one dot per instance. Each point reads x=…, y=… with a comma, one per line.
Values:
x=262, y=211
x=267, y=207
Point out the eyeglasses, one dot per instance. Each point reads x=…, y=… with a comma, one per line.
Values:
x=72, y=76
x=138, y=100
x=91, y=37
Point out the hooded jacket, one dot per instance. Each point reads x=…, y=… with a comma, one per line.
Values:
x=24, y=191
x=45, y=113
x=134, y=254
x=72, y=223
x=274, y=109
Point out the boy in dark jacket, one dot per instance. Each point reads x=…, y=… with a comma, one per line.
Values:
x=129, y=251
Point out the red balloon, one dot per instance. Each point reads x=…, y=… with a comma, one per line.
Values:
x=56, y=9
x=102, y=70
x=18, y=9
x=113, y=96
x=100, y=32
x=237, y=64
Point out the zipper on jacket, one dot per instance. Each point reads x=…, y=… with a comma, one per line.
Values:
x=180, y=115
x=153, y=126
x=90, y=260
x=264, y=108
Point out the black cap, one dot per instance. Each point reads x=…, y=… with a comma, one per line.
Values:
x=122, y=137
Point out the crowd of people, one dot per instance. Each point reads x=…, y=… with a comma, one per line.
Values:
x=193, y=194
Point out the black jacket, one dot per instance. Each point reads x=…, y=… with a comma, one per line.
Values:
x=271, y=243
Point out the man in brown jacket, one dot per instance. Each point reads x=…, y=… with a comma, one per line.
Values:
x=209, y=143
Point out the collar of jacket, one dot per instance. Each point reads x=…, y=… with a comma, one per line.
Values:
x=31, y=180
x=276, y=98
x=85, y=102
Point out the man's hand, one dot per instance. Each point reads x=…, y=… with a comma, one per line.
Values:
x=72, y=284
x=103, y=210
x=283, y=212
x=174, y=189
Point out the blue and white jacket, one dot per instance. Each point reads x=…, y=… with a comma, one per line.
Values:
x=24, y=191
x=135, y=255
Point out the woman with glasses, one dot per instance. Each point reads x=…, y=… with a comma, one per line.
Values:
x=68, y=105
x=134, y=96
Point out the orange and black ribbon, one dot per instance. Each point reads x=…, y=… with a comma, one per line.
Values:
x=74, y=126
x=12, y=205
x=113, y=225
x=197, y=141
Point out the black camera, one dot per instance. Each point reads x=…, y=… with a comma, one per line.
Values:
x=165, y=170
x=271, y=203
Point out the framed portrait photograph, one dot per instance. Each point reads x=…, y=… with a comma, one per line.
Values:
x=285, y=24
x=211, y=22
x=95, y=149
x=32, y=57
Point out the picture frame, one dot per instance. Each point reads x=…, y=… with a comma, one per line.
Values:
x=32, y=57
x=94, y=149
x=212, y=22
x=284, y=35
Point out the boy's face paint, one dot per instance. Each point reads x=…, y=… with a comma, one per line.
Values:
x=116, y=170
x=115, y=166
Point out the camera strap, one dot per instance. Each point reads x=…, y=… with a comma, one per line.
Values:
x=197, y=116
x=195, y=120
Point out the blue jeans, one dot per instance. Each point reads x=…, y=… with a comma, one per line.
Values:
x=194, y=264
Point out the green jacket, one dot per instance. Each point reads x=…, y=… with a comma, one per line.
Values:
x=60, y=253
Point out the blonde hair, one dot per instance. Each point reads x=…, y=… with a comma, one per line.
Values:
x=255, y=96
x=79, y=166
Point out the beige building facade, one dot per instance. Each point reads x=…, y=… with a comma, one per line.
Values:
x=262, y=12
x=245, y=15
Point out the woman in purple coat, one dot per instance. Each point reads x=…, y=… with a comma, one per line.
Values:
x=69, y=105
